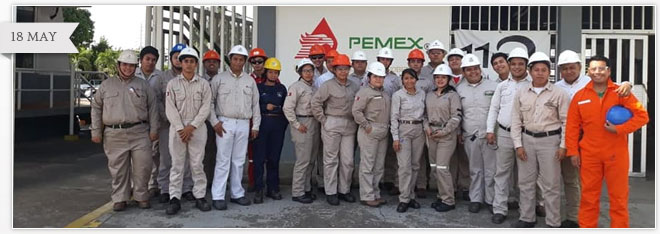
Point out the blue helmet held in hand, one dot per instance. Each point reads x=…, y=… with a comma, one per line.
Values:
x=618, y=115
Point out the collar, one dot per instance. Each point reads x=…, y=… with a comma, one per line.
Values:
x=310, y=83
x=547, y=86
x=195, y=77
x=340, y=84
x=377, y=89
x=610, y=85
x=234, y=75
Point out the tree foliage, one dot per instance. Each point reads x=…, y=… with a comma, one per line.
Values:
x=83, y=36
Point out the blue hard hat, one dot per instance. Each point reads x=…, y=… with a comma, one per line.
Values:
x=177, y=48
x=618, y=115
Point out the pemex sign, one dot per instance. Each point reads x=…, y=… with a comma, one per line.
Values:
x=321, y=35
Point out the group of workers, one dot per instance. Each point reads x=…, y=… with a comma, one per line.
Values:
x=501, y=143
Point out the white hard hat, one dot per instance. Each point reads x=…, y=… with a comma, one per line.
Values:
x=518, y=53
x=443, y=69
x=538, y=57
x=238, y=49
x=436, y=45
x=188, y=52
x=304, y=62
x=128, y=56
x=377, y=68
x=470, y=60
x=568, y=56
x=385, y=53
x=359, y=56
x=456, y=51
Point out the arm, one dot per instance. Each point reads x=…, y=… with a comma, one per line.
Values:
x=154, y=116
x=359, y=105
x=452, y=124
x=262, y=103
x=516, y=121
x=256, y=114
x=564, y=102
x=394, y=117
x=639, y=115
x=97, y=113
x=205, y=109
x=289, y=107
x=573, y=126
x=317, y=104
x=213, y=117
x=494, y=110
x=170, y=108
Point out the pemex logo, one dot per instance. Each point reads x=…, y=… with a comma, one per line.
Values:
x=321, y=35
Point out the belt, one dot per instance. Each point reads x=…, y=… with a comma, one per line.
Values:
x=505, y=128
x=305, y=116
x=438, y=125
x=410, y=121
x=124, y=125
x=273, y=115
x=542, y=134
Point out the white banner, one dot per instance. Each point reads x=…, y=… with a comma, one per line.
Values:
x=484, y=44
x=37, y=38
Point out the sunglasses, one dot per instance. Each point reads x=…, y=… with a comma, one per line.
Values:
x=317, y=56
x=256, y=61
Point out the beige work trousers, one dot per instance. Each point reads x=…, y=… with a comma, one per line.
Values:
x=338, y=135
x=129, y=161
x=188, y=154
x=441, y=151
x=307, y=147
x=411, y=140
x=373, y=147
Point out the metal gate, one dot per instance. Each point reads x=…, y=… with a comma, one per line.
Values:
x=629, y=56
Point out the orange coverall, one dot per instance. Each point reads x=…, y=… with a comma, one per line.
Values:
x=603, y=154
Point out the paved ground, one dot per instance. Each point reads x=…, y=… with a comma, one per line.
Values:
x=57, y=182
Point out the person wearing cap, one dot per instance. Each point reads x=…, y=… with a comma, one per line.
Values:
x=148, y=58
x=163, y=133
x=305, y=132
x=416, y=62
x=211, y=61
x=235, y=100
x=125, y=119
x=500, y=66
x=537, y=129
x=328, y=75
x=443, y=109
x=407, y=116
x=331, y=106
x=317, y=56
x=257, y=57
x=268, y=146
x=371, y=110
x=436, y=52
x=454, y=59
x=476, y=93
x=598, y=147
x=187, y=105
x=359, y=64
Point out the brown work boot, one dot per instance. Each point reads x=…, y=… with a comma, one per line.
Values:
x=144, y=204
x=381, y=201
x=119, y=206
x=373, y=203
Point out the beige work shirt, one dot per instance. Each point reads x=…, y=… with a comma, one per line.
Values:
x=406, y=106
x=334, y=99
x=235, y=97
x=187, y=102
x=443, y=111
x=475, y=102
x=371, y=105
x=298, y=102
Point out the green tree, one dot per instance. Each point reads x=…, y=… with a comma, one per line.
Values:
x=107, y=61
x=83, y=36
x=84, y=59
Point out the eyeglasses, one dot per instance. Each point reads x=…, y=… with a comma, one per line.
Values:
x=256, y=61
x=598, y=69
x=308, y=70
x=320, y=56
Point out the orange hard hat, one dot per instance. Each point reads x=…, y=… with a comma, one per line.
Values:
x=257, y=52
x=211, y=54
x=331, y=54
x=341, y=60
x=416, y=54
x=316, y=50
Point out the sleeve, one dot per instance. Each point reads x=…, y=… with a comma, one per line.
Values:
x=359, y=105
x=289, y=107
x=170, y=108
x=280, y=102
x=426, y=123
x=154, y=116
x=97, y=113
x=573, y=127
x=161, y=99
x=394, y=116
x=317, y=103
x=639, y=115
x=494, y=109
x=256, y=114
x=213, y=117
x=516, y=121
x=262, y=101
x=564, y=102
x=455, y=120
x=205, y=109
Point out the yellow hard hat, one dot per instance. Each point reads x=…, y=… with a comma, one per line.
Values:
x=273, y=64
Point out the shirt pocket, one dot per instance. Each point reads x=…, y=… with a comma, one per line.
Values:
x=110, y=99
x=197, y=100
x=138, y=97
x=179, y=96
x=338, y=101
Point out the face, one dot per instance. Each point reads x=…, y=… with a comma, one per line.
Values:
x=472, y=73
x=317, y=60
x=436, y=55
x=570, y=71
x=518, y=67
x=189, y=64
x=500, y=66
x=272, y=75
x=148, y=62
x=307, y=73
x=212, y=65
x=236, y=62
x=454, y=62
x=386, y=62
x=540, y=73
x=257, y=63
x=359, y=66
x=599, y=71
x=342, y=72
x=441, y=81
x=409, y=81
x=174, y=59
x=126, y=69
x=416, y=64
x=328, y=60
x=376, y=81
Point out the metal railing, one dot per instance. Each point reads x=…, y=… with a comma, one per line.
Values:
x=81, y=77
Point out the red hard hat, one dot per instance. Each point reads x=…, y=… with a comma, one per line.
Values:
x=257, y=52
x=211, y=54
x=416, y=54
x=316, y=50
x=341, y=60
x=331, y=54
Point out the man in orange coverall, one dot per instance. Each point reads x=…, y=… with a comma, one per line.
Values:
x=603, y=149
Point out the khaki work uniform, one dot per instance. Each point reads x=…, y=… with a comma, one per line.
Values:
x=407, y=127
x=371, y=110
x=210, y=150
x=317, y=165
x=298, y=111
x=360, y=80
x=235, y=100
x=444, y=117
x=391, y=85
x=188, y=102
x=331, y=106
x=155, y=154
x=124, y=113
x=544, y=113
x=459, y=166
x=475, y=100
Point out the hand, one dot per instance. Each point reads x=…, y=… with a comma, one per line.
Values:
x=490, y=138
x=96, y=139
x=302, y=128
x=520, y=152
x=575, y=160
x=153, y=136
x=270, y=107
x=561, y=154
x=219, y=129
x=624, y=89
x=368, y=130
x=254, y=134
x=610, y=127
x=396, y=145
x=460, y=138
x=186, y=133
x=428, y=132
